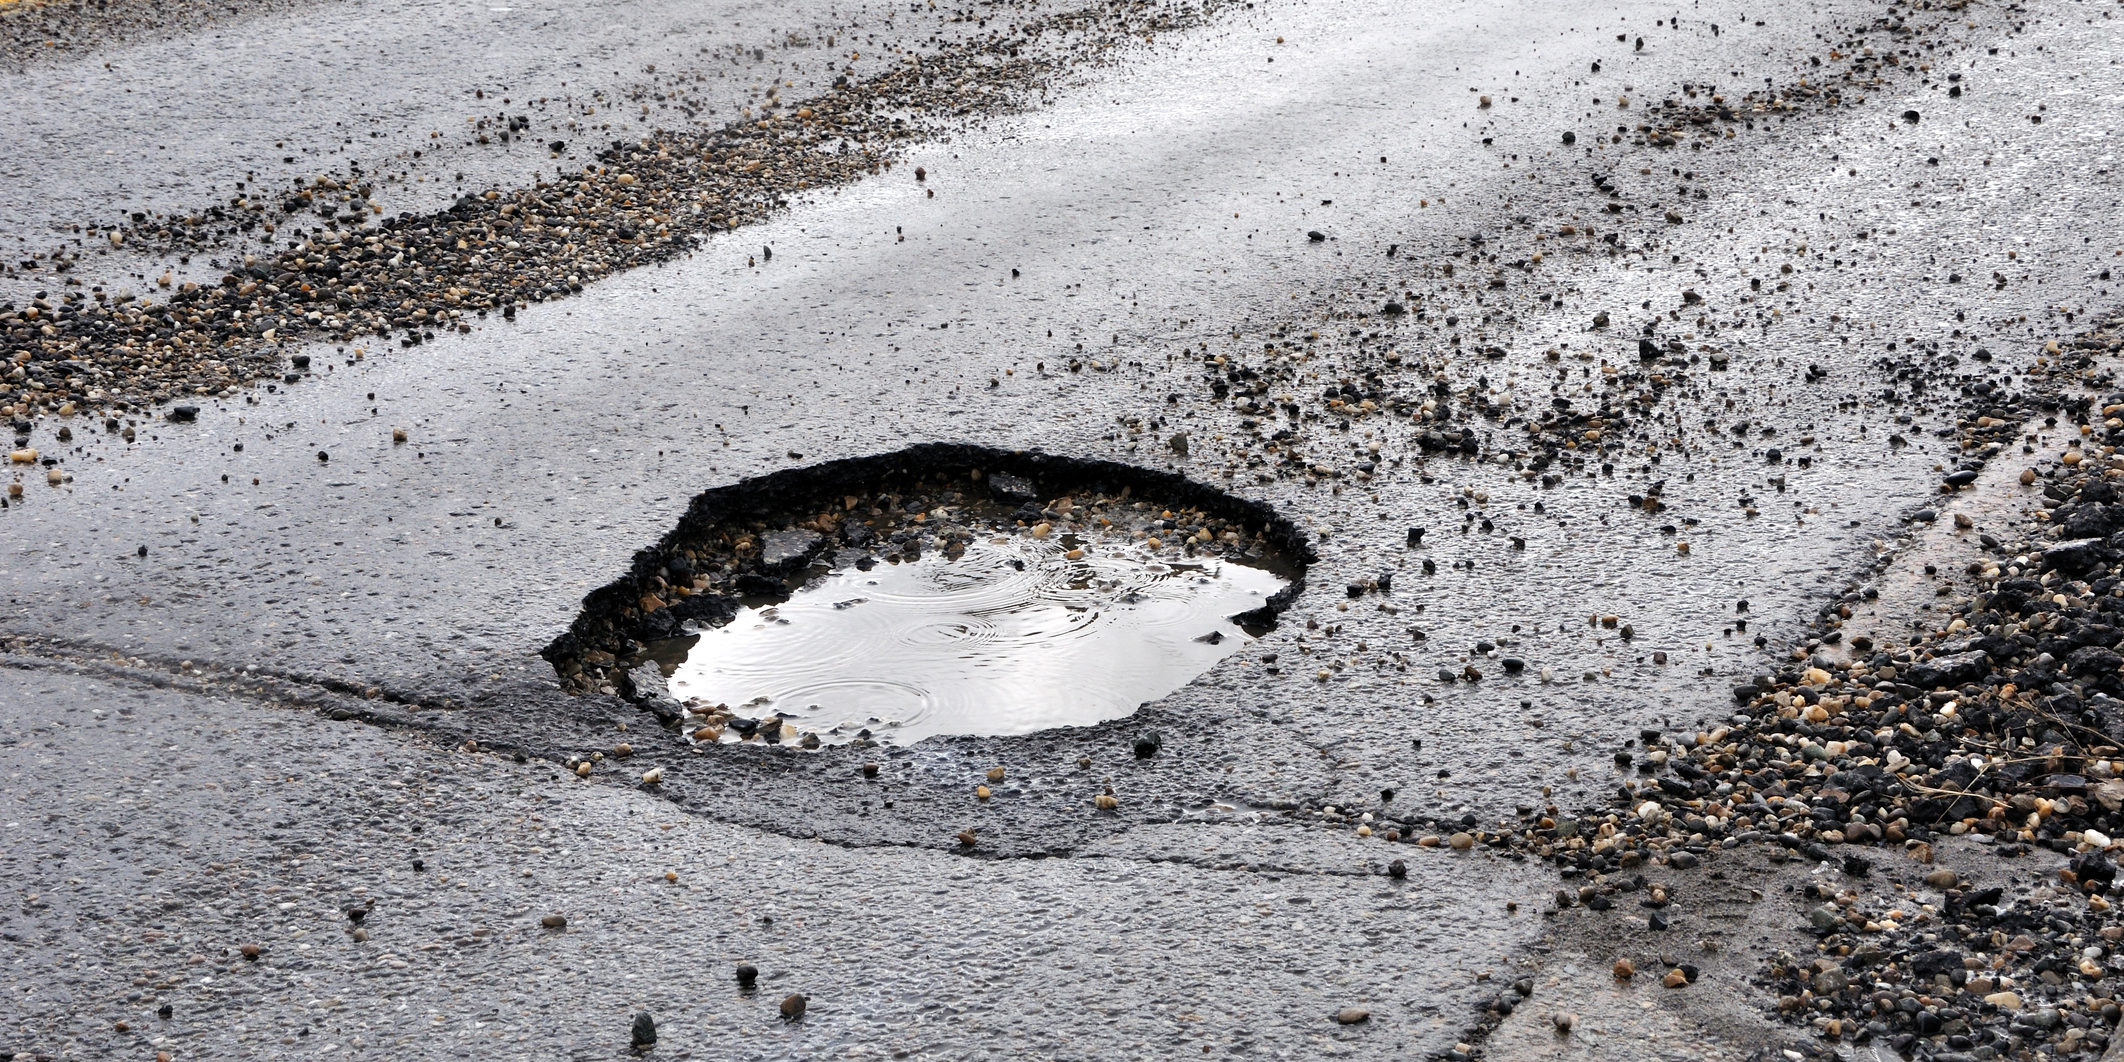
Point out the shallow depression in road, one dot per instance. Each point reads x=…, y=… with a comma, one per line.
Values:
x=1017, y=634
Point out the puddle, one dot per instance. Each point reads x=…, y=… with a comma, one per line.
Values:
x=1010, y=637
x=942, y=589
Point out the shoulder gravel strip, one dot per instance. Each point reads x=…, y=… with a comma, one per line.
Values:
x=2003, y=725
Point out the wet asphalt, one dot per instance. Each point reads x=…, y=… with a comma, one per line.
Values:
x=1157, y=205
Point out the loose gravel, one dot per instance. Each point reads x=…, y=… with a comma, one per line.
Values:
x=353, y=273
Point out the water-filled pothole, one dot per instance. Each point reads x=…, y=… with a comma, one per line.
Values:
x=941, y=590
x=1010, y=637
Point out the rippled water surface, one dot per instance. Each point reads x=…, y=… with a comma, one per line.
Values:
x=1012, y=637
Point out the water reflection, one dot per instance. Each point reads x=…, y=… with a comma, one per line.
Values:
x=1014, y=636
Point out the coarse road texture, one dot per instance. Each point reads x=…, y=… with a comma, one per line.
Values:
x=205, y=616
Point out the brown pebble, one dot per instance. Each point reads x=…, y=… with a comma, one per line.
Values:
x=1625, y=969
x=250, y=951
x=1352, y=1015
x=793, y=1007
x=1461, y=842
x=1674, y=979
x=1943, y=879
x=554, y=921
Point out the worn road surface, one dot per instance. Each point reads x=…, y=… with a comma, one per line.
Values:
x=266, y=665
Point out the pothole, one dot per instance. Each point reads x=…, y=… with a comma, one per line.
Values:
x=940, y=590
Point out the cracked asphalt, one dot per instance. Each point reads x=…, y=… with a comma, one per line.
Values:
x=259, y=663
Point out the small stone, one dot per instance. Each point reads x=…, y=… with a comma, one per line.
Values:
x=644, y=1032
x=1625, y=969
x=1106, y=802
x=1943, y=879
x=1563, y=1023
x=1461, y=842
x=652, y=776
x=554, y=921
x=1352, y=1016
x=2004, y=1000
x=1674, y=979
x=250, y=952
x=747, y=975
x=1397, y=869
x=995, y=774
x=793, y=1007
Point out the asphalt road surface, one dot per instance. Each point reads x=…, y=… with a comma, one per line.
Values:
x=265, y=663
